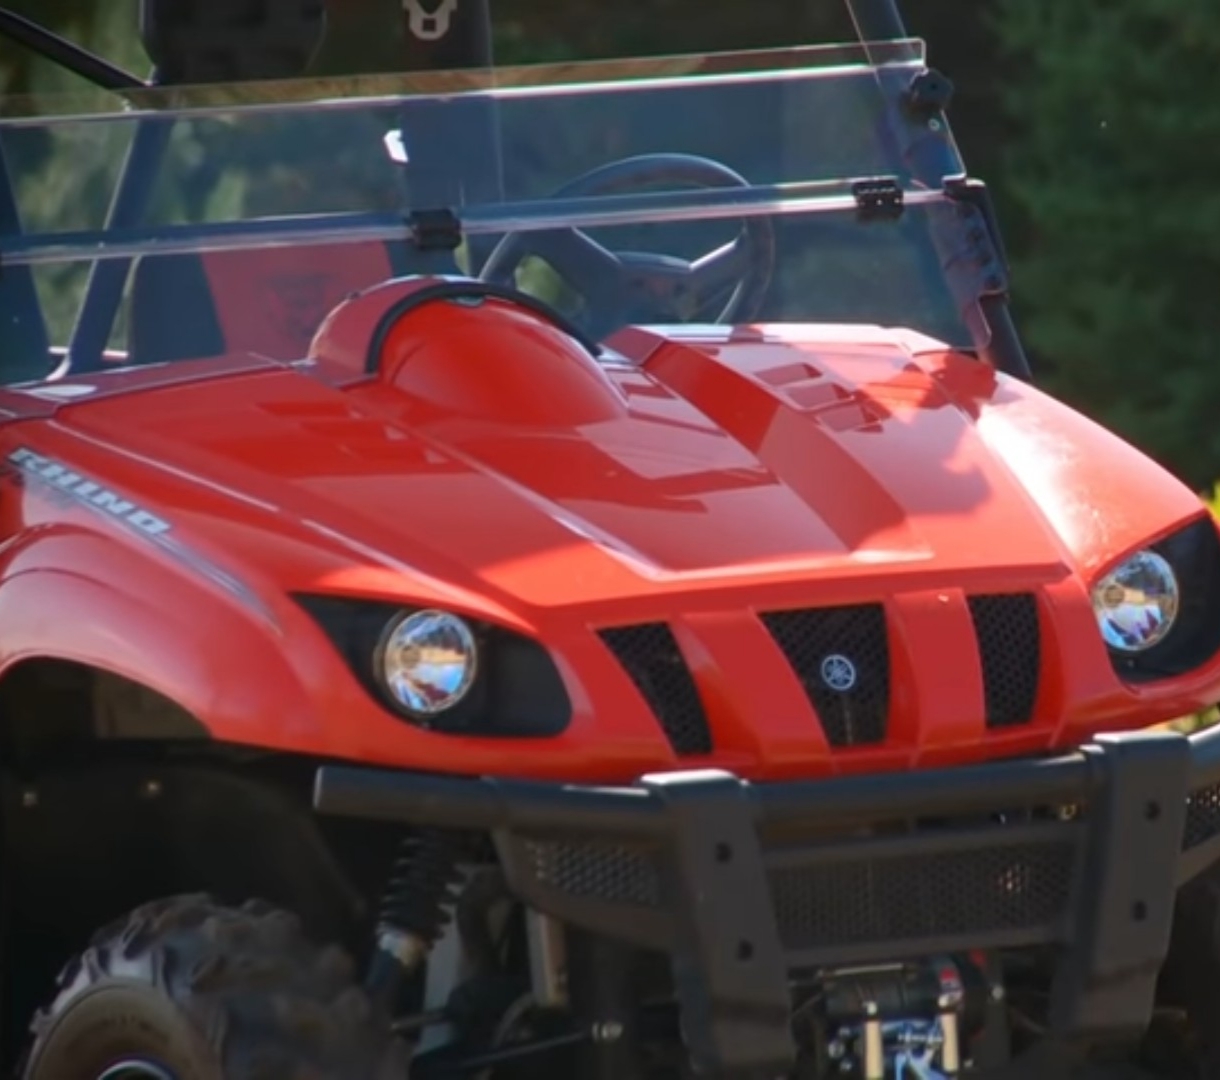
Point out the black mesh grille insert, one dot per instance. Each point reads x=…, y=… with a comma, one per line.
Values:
x=863, y=901
x=842, y=657
x=1202, y=816
x=652, y=658
x=1010, y=646
x=612, y=874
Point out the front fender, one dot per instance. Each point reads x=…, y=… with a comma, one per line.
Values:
x=235, y=667
x=1102, y=495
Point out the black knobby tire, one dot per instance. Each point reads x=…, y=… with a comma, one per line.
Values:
x=212, y=993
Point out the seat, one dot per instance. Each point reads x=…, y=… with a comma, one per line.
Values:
x=269, y=301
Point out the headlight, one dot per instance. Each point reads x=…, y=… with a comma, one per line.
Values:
x=450, y=674
x=1137, y=603
x=426, y=661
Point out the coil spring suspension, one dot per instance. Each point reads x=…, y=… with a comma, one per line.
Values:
x=418, y=904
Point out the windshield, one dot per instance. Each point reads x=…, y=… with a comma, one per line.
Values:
x=756, y=188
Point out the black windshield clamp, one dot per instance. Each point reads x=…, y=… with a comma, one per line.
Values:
x=435, y=230
x=878, y=199
x=928, y=95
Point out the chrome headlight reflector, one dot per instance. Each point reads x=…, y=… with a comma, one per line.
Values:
x=426, y=661
x=1137, y=603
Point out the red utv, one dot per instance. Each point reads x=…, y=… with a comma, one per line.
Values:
x=562, y=572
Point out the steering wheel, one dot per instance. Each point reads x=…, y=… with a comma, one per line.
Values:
x=620, y=288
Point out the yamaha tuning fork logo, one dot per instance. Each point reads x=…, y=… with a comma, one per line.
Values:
x=429, y=25
x=839, y=673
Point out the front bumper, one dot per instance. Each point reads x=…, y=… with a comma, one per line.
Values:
x=742, y=884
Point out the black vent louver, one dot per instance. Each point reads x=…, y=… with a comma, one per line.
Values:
x=842, y=657
x=1010, y=651
x=650, y=655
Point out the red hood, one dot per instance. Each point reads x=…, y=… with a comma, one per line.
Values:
x=546, y=479
x=492, y=455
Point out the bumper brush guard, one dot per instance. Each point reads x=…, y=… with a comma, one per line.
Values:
x=741, y=884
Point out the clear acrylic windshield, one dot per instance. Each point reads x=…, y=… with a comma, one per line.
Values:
x=276, y=200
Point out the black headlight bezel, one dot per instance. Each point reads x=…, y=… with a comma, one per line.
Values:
x=517, y=691
x=1193, y=552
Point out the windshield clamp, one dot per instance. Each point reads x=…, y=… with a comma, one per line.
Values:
x=435, y=230
x=878, y=199
x=928, y=95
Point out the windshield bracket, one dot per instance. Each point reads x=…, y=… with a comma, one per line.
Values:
x=435, y=230
x=928, y=95
x=878, y=199
x=986, y=243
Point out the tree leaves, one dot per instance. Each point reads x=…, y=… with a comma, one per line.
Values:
x=1113, y=167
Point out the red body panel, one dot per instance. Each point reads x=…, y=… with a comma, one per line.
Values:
x=488, y=465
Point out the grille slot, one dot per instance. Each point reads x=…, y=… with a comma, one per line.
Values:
x=869, y=900
x=1010, y=648
x=812, y=640
x=650, y=655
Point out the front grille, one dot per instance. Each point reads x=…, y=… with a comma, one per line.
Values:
x=605, y=872
x=869, y=900
x=842, y=657
x=1202, y=816
x=1010, y=648
x=651, y=657
x=851, y=900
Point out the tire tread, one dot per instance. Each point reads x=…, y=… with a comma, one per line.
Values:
x=268, y=1003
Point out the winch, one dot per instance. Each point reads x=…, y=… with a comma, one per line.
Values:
x=899, y=1021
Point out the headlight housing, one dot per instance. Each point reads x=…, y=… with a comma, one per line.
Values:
x=444, y=672
x=426, y=661
x=1159, y=610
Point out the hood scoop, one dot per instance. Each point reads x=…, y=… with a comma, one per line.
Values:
x=494, y=360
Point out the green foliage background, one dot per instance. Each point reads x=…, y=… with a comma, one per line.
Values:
x=1114, y=178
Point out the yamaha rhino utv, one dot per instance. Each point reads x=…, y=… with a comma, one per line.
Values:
x=561, y=571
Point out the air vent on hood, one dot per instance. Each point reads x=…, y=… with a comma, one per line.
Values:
x=1010, y=649
x=842, y=657
x=651, y=656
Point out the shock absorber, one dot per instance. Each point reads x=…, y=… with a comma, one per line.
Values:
x=417, y=906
